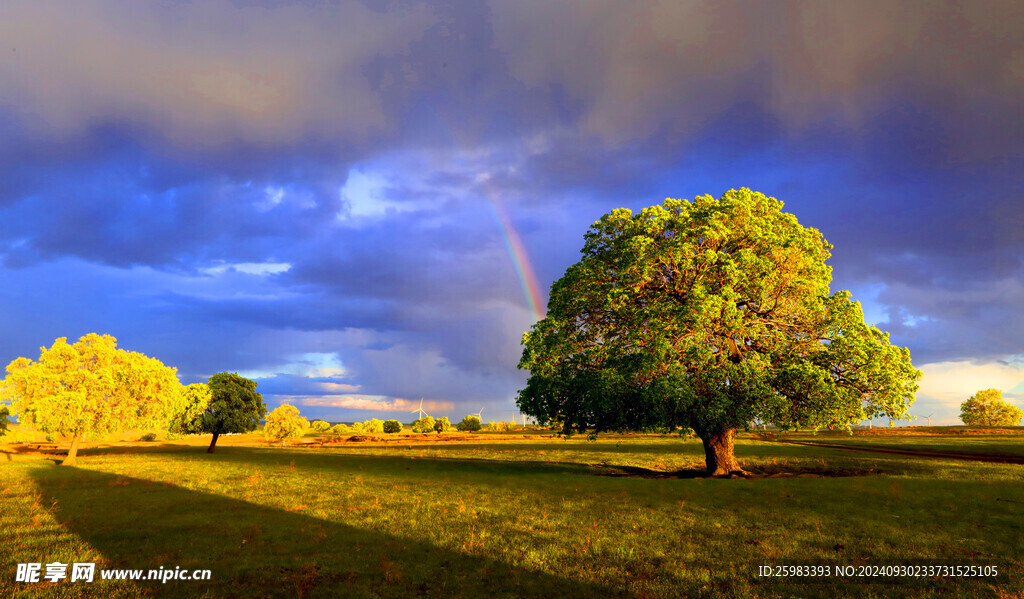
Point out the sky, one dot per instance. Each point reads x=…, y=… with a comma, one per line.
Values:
x=363, y=204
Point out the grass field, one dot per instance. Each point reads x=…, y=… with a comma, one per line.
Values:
x=514, y=516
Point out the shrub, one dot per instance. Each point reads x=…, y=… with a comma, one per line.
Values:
x=320, y=426
x=340, y=429
x=423, y=425
x=373, y=426
x=148, y=437
x=285, y=423
x=469, y=423
x=499, y=427
x=442, y=425
x=392, y=426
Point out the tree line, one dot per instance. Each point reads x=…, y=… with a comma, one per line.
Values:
x=92, y=387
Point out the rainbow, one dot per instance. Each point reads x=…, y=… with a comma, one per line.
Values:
x=513, y=244
x=520, y=259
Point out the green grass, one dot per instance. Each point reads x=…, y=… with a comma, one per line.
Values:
x=506, y=517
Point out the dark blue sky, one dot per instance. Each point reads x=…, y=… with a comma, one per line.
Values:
x=310, y=193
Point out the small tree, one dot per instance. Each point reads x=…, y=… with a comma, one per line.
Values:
x=189, y=421
x=423, y=425
x=235, y=406
x=442, y=425
x=357, y=428
x=321, y=426
x=373, y=426
x=4, y=413
x=988, y=408
x=284, y=423
x=392, y=426
x=340, y=429
x=469, y=424
x=92, y=387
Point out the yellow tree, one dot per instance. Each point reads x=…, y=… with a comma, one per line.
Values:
x=988, y=408
x=284, y=423
x=91, y=386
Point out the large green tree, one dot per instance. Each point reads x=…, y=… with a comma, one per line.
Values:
x=988, y=408
x=235, y=406
x=91, y=387
x=709, y=315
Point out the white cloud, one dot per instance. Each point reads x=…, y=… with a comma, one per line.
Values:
x=261, y=269
x=369, y=402
x=310, y=364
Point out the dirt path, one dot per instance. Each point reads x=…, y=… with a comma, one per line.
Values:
x=993, y=458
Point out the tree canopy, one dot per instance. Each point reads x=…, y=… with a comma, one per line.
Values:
x=196, y=400
x=235, y=406
x=469, y=424
x=285, y=423
x=92, y=387
x=988, y=408
x=708, y=315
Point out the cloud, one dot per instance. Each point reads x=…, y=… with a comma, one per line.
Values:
x=211, y=75
x=377, y=404
x=946, y=385
x=249, y=187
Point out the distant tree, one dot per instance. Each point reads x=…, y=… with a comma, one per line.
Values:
x=708, y=314
x=4, y=422
x=373, y=426
x=190, y=420
x=285, y=423
x=988, y=408
x=91, y=387
x=235, y=406
x=392, y=426
x=442, y=425
x=499, y=427
x=423, y=425
x=321, y=426
x=340, y=429
x=469, y=424
x=357, y=428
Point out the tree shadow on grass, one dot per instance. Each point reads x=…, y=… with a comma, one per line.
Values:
x=258, y=551
x=495, y=471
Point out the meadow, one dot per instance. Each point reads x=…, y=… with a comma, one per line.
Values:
x=516, y=515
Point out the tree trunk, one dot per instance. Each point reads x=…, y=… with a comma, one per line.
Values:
x=213, y=444
x=719, y=453
x=73, y=452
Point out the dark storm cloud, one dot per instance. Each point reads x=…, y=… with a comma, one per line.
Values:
x=167, y=141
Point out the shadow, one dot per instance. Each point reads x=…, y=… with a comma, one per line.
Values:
x=920, y=453
x=257, y=551
x=498, y=472
x=751, y=472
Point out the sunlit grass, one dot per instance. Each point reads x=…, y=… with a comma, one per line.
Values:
x=506, y=517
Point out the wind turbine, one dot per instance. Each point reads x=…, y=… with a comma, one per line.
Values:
x=929, y=417
x=420, y=410
x=478, y=414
